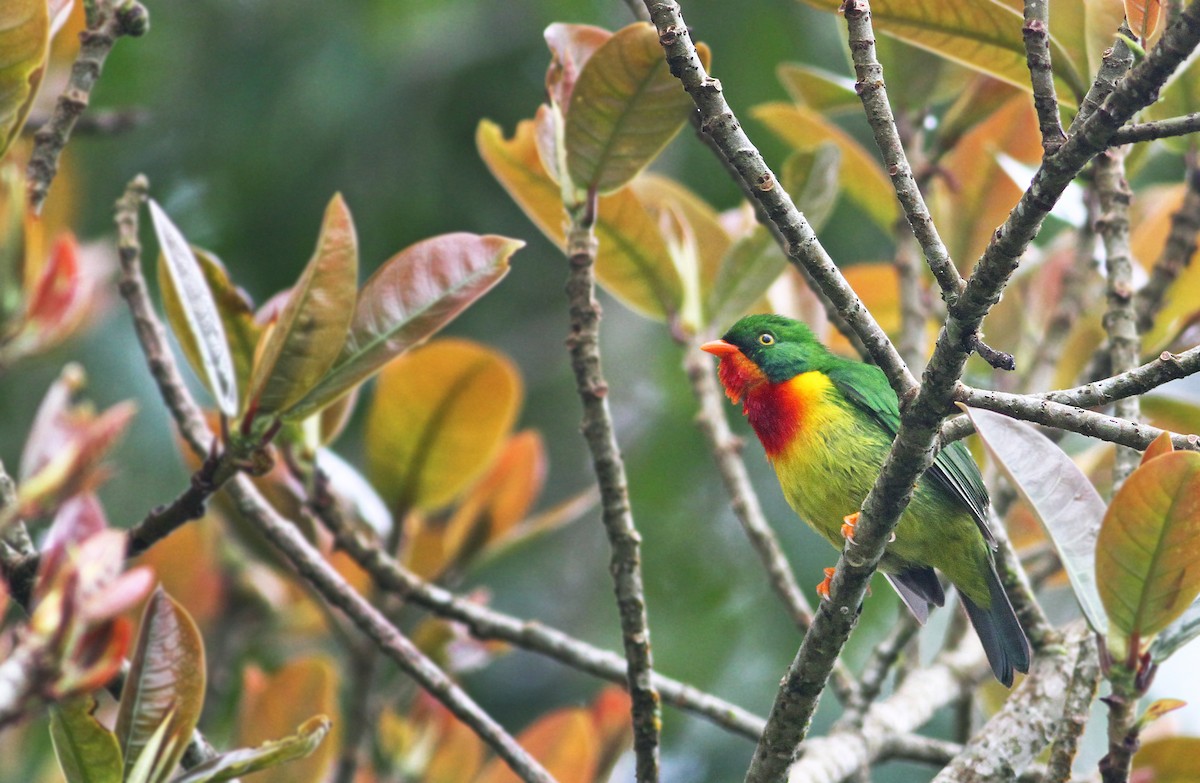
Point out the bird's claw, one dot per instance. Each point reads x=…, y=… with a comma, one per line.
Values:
x=848, y=523
x=823, y=588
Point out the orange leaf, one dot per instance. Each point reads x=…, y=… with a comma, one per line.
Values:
x=274, y=704
x=1143, y=16
x=563, y=741
x=1161, y=445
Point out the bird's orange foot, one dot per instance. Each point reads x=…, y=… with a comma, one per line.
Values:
x=848, y=523
x=823, y=588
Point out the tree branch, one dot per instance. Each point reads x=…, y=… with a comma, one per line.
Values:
x=1120, y=321
x=1041, y=74
x=625, y=564
x=1015, y=736
x=1158, y=129
x=1131, y=434
x=872, y=91
x=485, y=623
x=111, y=20
x=1071, y=724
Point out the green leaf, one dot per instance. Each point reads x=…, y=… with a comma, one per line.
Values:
x=272, y=753
x=150, y=764
x=1177, y=634
x=201, y=316
x=811, y=178
x=234, y=308
x=410, y=297
x=1146, y=550
x=1180, y=96
x=862, y=177
x=86, y=751
x=1059, y=494
x=310, y=332
x=440, y=414
x=817, y=88
x=981, y=34
x=623, y=110
x=24, y=45
x=747, y=271
x=165, y=685
x=695, y=238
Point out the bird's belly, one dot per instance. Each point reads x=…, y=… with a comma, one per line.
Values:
x=826, y=475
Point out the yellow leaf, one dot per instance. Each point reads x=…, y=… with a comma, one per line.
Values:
x=1151, y=225
x=1143, y=16
x=439, y=415
x=1171, y=760
x=632, y=262
x=24, y=46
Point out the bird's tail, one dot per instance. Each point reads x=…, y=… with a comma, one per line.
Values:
x=1001, y=633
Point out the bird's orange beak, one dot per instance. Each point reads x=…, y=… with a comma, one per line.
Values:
x=719, y=348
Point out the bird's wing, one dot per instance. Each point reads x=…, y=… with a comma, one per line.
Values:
x=954, y=470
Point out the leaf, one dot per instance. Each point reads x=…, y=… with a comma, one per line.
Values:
x=165, y=685
x=811, y=178
x=1146, y=548
x=87, y=752
x=1169, y=760
x=981, y=34
x=1143, y=16
x=571, y=46
x=149, y=765
x=563, y=741
x=234, y=310
x=24, y=45
x=458, y=755
x=862, y=177
x=1161, y=445
x=632, y=263
x=694, y=234
x=409, y=298
x=878, y=287
x=310, y=332
x=201, y=316
x=1150, y=230
x=272, y=704
x=273, y=753
x=747, y=271
x=817, y=88
x=976, y=194
x=498, y=502
x=613, y=729
x=1064, y=500
x=1177, y=634
x=1179, y=96
x=624, y=109
x=439, y=415
x=1158, y=709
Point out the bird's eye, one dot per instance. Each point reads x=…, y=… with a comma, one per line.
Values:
x=766, y=338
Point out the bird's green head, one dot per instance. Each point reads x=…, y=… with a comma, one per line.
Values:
x=779, y=347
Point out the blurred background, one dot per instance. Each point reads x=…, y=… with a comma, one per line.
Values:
x=256, y=112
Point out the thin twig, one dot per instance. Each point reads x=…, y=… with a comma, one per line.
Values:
x=1120, y=321
x=726, y=450
x=285, y=535
x=625, y=564
x=485, y=623
x=98, y=122
x=1041, y=74
x=913, y=311
x=876, y=670
x=1158, y=129
x=1131, y=434
x=110, y=20
x=872, y=91
x=926, y=750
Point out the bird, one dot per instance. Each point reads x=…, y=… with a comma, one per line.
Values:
x=827, y=424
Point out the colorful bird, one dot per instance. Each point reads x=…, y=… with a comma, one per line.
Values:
x=827, y=424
